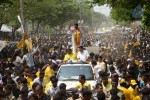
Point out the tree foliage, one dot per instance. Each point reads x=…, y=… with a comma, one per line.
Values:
x=51, y=13
x=122, y=9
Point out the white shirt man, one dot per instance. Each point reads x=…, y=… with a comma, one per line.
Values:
x=53, y=90
x=82, y=55
x=97, y=43
x=29, y=58
x=97, y=69
x=37, y=80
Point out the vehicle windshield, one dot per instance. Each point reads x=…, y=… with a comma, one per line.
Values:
x=67, y=73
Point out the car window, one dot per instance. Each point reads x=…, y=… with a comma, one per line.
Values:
x=73, y=72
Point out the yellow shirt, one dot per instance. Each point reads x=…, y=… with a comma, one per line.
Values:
x=38, y=74
x=47, y=87
x=30, y=85
x=107, y=88
x=30, y=82
x=71, y=56
x=133, y=91
x=136, y=62
x=102, y=65
x=49, y=72
x=137, y=98
x=86, y=84
x=128, y=95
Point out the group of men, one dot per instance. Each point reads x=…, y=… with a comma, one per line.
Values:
x=121, y=69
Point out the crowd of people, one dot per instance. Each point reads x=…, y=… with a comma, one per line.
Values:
x=122, y=68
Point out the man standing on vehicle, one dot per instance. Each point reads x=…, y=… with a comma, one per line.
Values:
x=83, y=83
x=76, y=36
x=96, y=68
x=82, y=55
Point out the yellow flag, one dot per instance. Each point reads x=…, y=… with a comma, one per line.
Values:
x=51, y=50
x=130, y=54
x=20, y=43
x=126, y=46
x=28, y=43
x=5, y=42
x=136, y=44
x=37, y=39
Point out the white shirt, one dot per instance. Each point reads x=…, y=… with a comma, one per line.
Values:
x=29, y=58
x=102, y=65
x=97, y=43
x=52, y=91
x=37, y=80
x=83, y=55
x=96, y=69
x=18, y=59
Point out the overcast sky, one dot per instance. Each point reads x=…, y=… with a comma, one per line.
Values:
x=103, y=9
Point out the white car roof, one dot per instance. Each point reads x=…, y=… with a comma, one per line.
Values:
x=76, y=65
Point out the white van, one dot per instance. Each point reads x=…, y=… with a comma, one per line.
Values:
x=69, y=74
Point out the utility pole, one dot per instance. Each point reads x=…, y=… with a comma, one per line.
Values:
x=92, y=10
x=21, y=13
x=23, y=22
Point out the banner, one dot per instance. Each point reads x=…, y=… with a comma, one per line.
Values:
x=93, y=49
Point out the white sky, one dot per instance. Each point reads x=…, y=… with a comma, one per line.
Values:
x=102, y=9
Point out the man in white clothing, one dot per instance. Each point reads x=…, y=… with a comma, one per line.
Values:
x=54, y=88
x=82, y=55
x=96, y=69
x=39, y=79
x=29, y=58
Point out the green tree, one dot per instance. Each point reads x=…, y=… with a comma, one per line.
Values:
x=122, y=9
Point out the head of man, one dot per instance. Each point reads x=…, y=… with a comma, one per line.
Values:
x=49, y=61
x=8, y=89
x=105, y=81
x=82, y=79
x=123, y=82
x=87, y=94
x=41, y=75
x=69, y=51
x=62, y=87
x=133, y=84
x=94, y=63
x=39, y=89
x=114, y=83
x=145, y=76
x=76, y=26
x=100, y=58
x=99, y=88
x=81, y=48
x=24, y=81
x=54, y=81
x=34, y=86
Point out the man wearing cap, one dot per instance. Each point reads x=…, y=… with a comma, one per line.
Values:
x=132, y=88
x=128, y=95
